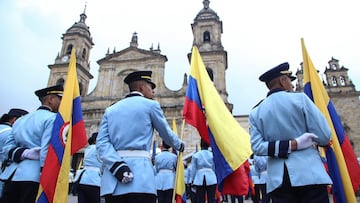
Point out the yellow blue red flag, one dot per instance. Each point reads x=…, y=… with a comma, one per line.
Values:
x=205, y=110
x=343, y=167
x=180, y=195
x=67, y=138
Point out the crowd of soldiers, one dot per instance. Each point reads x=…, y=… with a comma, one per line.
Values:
x=118, y=167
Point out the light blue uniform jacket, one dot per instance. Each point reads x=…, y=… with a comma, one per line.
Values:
x=260, y=163
x=258, y=170
x=5, y=131
x=92, y=167
x=165, y=166
x=285, y=116
x=129, y=125
x=29, y=131
x=203, y=167
x=255, y=176
x=187, y=175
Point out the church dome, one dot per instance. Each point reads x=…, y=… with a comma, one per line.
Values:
x=79, y=27
x=206, y=13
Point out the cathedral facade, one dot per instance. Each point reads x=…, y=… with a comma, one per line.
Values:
x=114, y=67
x=207, y=32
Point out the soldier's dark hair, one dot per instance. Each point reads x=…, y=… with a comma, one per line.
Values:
x=5, y=118
x=165, y=146
x=203, y=144
x=136, y=85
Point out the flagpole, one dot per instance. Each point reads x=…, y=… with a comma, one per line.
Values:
x=179, y=156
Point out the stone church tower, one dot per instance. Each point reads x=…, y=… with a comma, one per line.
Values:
x=115, y=66
x=207, y=30
x=344, y=96
x=77, y=36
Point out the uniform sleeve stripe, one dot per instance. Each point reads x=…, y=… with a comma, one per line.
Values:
x=271, y=148
x=283, y=149
x=278, y=149
x=116, y=167
x=15, y=154
x=276, y=153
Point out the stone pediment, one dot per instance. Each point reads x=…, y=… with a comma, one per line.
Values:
x=131, y=54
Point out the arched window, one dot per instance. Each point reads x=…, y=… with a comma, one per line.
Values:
x=333, y=81
x=206, y=36
x=80, y=88
x=342, y=81
x=211, y=73
x=333, y=66
x=60, y=81
x=83, y=53
x=69, y=48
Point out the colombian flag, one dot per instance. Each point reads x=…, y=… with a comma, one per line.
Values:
x=341, y=160
x=205, y=110
x=180, y=195
x=67, y=138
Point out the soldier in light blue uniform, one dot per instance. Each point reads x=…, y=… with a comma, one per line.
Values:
x=124, y=142
x=203, y=174
x=259, y=175
x=187, y=180
x=165, y=166
x=284, y=127
x=190, y=191
x=6, y=122
x=90, y=177
x=27, y=147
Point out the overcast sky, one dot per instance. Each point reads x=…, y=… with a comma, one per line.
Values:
x=257, y=35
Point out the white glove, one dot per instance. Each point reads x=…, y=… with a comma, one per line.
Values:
x=128, y=177
x=33, y=153
x=306, y=140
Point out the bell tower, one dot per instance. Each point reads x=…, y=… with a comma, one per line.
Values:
x=337, y=78
x=77, y=36
x=344, y=96
x=207, y=29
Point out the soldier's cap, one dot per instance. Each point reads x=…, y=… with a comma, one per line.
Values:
x=17, y=112
x=57, y=89
x=140, y=75
x=282, y=69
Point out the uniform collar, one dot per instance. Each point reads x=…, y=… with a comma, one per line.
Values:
x=134, y=93
x=6, y=123
x=274, y=91
x=43, y=107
